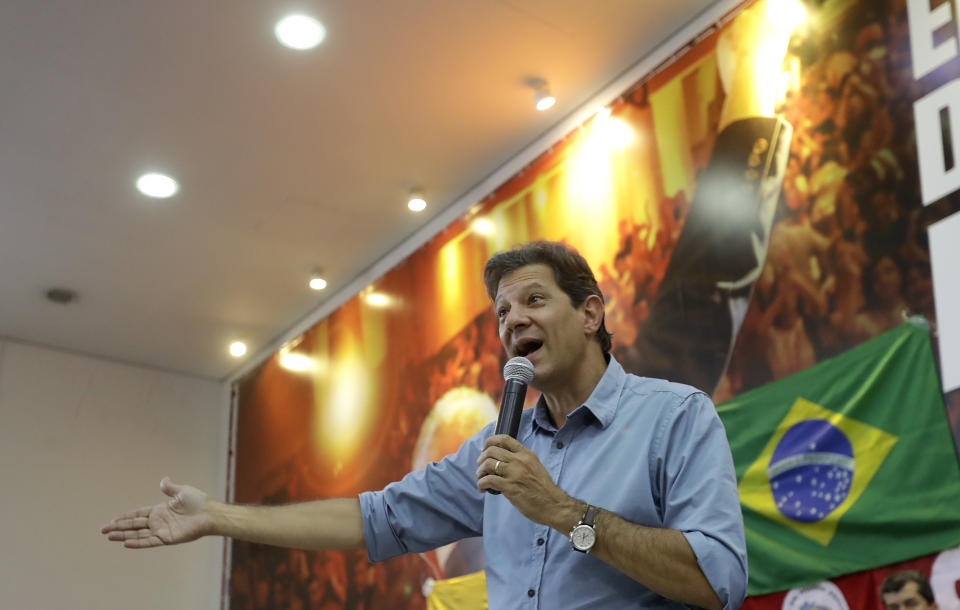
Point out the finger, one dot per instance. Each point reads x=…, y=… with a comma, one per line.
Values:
x=132, y=524
x=143, y=543
x=489, y=467
x=505, y=441
x=491, y=482
x=119, y=536
x=113, y=525
x=124, y=535
x=497, y=453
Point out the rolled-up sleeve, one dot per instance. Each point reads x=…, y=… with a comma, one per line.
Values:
x=427, y=508
x=698, y=485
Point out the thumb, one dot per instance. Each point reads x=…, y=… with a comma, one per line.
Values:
x=173, y=490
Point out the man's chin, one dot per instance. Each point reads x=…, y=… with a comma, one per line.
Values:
x=541, y=379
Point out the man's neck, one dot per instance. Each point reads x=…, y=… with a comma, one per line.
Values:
x=561, y=402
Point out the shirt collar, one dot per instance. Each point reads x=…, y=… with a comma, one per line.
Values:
x=602, y=402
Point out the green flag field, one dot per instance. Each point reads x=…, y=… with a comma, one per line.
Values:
x=846, y=466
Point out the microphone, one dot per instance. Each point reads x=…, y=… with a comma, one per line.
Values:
x=517, y=373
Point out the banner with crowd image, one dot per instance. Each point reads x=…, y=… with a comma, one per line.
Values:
x=751, y=208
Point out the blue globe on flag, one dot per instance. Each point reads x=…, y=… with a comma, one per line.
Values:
x=811, y=470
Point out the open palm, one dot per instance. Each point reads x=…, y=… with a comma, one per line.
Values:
x=181, y=519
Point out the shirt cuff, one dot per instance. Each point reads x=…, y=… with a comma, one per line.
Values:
x=381, y=541
x=725, y=570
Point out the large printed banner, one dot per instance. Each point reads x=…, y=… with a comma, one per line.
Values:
x=753, y=207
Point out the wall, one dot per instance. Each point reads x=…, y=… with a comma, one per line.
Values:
x=82, y=439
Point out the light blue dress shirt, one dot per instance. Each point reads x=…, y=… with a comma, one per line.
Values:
x=651, y=451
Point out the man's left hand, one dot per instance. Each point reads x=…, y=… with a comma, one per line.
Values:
x=510, y=468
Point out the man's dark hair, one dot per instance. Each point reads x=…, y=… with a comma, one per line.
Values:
x=897, y=580
x=570, y=271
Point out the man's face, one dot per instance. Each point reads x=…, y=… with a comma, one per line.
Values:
x=536, y=320
x=907, y=598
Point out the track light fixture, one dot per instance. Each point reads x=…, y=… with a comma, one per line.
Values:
x=544, y=100
x=542, y=97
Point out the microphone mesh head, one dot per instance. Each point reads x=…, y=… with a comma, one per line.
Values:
x=518, y=368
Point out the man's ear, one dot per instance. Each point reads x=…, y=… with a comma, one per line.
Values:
x=592, y=314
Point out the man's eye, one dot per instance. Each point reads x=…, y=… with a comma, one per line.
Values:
x=535, y=298
x=501, y=313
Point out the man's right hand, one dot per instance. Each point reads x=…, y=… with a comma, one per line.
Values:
x=181, y=519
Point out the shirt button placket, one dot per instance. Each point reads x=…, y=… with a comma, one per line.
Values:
x=552, y=460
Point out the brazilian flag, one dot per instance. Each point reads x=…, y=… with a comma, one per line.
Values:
x=846, y=466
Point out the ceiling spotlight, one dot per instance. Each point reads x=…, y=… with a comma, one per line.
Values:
x=602, y=114
x=483, y=226
x=377, y=299
x=300, y=32
x=238, y=348
x=157, y=185
x=317, y=282
x=416, y=203
x=293, y=361
x=543, y=99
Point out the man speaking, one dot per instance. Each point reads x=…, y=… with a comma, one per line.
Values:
x=618, y=492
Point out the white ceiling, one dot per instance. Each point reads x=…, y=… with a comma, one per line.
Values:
x=285, y=159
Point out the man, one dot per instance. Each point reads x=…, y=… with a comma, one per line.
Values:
x=637, y=469
x=907, y=590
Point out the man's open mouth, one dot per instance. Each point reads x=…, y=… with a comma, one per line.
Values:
x=527, y=346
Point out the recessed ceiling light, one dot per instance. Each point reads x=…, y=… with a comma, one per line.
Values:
x=238, y=348
x=160, y=186
x=416, y=203
x=300, y=32
x=318, y=283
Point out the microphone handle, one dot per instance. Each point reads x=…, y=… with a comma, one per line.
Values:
x=511, y=407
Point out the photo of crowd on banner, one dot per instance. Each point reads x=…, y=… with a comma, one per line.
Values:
x=845, y=259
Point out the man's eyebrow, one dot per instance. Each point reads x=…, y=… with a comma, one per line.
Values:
x=533, y=285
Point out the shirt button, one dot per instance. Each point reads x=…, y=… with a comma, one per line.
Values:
x=539, y=541
x=531, y=593
x=559, y=444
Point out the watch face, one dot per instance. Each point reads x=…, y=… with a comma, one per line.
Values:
x=583, y=537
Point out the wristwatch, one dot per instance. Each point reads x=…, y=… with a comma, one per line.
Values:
x=583, y=535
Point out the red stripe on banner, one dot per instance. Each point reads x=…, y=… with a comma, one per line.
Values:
x=861, y=590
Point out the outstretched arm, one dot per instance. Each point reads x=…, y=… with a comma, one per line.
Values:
x=333, y=524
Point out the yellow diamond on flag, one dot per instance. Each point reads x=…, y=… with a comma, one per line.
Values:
x=813, y=469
